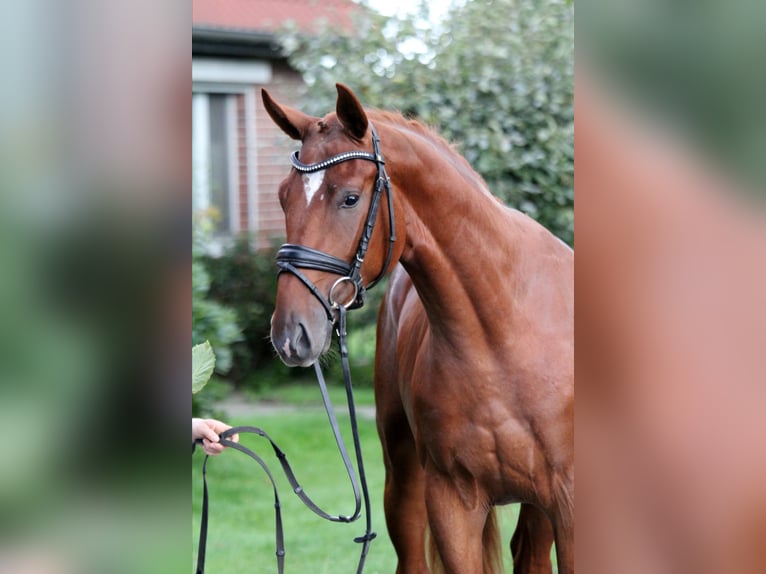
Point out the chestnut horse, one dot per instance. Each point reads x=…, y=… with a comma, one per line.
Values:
x=474, y=384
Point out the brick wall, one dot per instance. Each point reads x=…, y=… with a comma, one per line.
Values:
x=242, y=195
x=273, y=150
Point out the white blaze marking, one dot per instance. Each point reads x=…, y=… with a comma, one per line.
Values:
x=286, y=347
x=311, y=184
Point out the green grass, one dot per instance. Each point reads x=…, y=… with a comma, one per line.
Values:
x=307, y=393
x=241, y=531
x=241, y=523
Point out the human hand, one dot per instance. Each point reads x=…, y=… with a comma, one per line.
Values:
x=207, y=431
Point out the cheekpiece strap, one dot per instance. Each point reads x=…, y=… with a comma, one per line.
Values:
x=290, y=257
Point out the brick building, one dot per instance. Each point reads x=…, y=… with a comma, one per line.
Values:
x=239, y=155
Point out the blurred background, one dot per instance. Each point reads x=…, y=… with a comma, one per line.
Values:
x=670, y=298
x=95, y=259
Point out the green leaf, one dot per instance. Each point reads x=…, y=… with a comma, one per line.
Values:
x=203, y=363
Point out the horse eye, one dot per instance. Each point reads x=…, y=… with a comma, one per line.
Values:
x=351, y=200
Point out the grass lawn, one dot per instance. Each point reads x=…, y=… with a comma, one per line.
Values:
x=306, y=393
x=241, y=530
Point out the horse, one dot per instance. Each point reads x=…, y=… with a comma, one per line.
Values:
x=474, y=373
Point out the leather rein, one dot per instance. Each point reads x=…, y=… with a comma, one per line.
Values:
x=291, y=258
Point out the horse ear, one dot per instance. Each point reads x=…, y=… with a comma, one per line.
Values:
x=293, y=122
x=350, y=112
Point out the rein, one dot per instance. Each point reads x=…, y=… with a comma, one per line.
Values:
x=291, y=258
x=368, y=535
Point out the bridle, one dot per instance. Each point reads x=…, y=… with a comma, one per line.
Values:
x=291, y=257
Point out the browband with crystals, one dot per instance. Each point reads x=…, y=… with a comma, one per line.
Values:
x=334, y=160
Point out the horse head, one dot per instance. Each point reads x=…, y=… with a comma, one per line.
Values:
x=327, y=199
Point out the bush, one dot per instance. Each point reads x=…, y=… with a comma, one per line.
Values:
x=212, y=321
x=500, y=87
x=245, y=280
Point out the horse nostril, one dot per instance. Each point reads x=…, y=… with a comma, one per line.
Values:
x=301, y=343
x=294, y=342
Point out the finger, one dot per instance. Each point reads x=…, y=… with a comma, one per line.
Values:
x=209, y=433
x=211, y=436
x=217, y=425
x=211, y=448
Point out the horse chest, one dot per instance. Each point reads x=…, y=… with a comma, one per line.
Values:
x=465, y=427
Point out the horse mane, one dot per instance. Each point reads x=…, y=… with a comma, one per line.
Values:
x=430, y=134
x=397, y=118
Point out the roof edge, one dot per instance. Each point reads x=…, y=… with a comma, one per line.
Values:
x=215, y=41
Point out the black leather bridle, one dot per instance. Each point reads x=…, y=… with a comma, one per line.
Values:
x=291, y=257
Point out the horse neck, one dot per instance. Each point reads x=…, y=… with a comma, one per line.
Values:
x=462, y=243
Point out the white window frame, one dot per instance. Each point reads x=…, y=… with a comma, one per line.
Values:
x=219, y=76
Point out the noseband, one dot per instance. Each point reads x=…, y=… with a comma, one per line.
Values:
x=291, y=257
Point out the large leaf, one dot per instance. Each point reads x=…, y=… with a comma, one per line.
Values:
x=203, y=363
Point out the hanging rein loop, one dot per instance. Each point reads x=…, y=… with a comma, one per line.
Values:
x=358, y=485
x=291, y=258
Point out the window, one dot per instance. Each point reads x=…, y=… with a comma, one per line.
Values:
x=224, y=144
x=214, y=160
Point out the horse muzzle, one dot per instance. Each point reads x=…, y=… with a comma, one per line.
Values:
x=297, y=343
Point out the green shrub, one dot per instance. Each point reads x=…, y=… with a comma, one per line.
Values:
x=211, y=320
x=496, y=78
x=245, y=280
